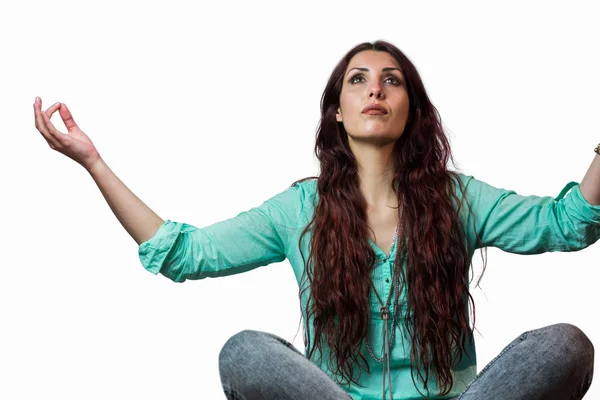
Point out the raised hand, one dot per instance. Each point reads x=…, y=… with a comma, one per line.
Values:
x=75, y=144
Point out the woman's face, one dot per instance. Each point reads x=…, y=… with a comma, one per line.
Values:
x=373, y=78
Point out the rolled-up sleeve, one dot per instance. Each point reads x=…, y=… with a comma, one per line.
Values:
x=532, y=224
x=251, y=239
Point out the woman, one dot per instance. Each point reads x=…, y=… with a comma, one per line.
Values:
x=385, y=216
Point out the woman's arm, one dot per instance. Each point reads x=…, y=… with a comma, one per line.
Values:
x=180, y=251
x=590, y=185
x=531, y=224
x=253, y=238
x=137, y=219
x=135, y=216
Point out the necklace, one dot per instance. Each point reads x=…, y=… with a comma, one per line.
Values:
x=385, y=316
x=384, y=310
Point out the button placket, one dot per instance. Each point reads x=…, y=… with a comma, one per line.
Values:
x=388, y=272
x=386, y=285
x=377, y=276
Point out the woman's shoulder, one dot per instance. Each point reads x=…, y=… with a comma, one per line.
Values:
x=306, y=188
x=309, y=181
x=461, y=176
x=296, y=197
x=305, y=194
x=461, y=181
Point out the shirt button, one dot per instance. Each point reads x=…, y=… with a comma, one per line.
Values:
x=387, y=279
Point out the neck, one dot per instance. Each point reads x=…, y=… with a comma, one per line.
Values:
x=376, y=173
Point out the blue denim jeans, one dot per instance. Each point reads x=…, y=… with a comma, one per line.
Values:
x=555, y=362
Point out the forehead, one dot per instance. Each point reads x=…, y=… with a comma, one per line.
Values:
x=374, y=60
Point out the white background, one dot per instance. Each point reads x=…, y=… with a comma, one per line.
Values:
x=205, y=111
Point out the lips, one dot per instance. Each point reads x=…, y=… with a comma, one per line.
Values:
x=374, y=109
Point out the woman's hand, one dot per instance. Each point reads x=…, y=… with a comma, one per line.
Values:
x=76, y=145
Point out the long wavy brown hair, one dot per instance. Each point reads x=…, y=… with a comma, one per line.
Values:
x=339, y=265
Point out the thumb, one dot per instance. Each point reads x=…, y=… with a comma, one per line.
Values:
x=66, y=116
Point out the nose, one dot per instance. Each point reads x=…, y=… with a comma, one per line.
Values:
x=376, y=92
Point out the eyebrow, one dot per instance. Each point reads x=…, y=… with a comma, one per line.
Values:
x=367, y=69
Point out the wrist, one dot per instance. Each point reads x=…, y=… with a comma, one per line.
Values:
x=96, y=166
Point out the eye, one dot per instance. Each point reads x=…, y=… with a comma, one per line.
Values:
x=360, y=78
x=353, y=79
x=394, y=80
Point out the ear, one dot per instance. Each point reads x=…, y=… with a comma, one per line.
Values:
x=338, y=115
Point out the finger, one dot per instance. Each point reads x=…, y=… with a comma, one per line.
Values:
x=39, y=121
x=53, y=131
x=37, y=106
x=67, y=118
x=41, y=125
x=52, y=109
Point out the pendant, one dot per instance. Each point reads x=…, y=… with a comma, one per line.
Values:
x=385, y=313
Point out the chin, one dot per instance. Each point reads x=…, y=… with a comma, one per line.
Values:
x=376, y=137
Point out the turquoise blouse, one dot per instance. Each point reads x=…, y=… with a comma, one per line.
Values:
x=270, y=232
